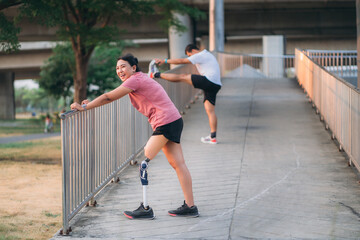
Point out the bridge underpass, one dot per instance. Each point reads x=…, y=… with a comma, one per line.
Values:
x=275, y=173
x=309, y=25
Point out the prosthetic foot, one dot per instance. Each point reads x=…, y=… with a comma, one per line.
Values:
x=144, y=211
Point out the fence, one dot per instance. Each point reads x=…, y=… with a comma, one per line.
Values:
x=337, y=102
x=97, y=144
x=342, y=63
x=255, y=65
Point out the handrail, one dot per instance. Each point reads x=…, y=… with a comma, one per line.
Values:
x=341, y=62
x=255, y=65
x=99, y=143
x=337, y=102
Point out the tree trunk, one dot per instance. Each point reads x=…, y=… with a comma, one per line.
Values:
x=80, y=80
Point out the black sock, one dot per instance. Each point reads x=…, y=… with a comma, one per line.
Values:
x=213, y=135
x=157, y=75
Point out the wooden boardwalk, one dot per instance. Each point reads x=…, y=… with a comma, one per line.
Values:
x=275, y=174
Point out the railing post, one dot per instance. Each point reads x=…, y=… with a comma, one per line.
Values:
x=133, y=134
x=92, y=177
x=65, y=229
x=115, y=141
x=341, y=63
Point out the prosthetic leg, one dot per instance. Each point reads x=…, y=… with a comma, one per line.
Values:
x=144, y=211
x=144, y=180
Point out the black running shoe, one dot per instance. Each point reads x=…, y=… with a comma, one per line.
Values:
x=140, y=213
x=184, y=211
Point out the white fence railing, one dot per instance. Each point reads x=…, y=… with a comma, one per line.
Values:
x=255, y=65
x=97, y=144
x=342, y=63
x=337, y=102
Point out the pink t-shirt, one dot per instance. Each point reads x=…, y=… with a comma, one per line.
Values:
x=150, y=99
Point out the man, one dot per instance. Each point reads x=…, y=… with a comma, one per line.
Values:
x=209, y=81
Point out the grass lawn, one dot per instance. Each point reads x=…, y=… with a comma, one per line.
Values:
x=30, y=199
x=18, y=127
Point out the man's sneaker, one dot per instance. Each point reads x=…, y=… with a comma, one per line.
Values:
x=184, y=211
x=209, y=140
x=140, y=213
x=152, y=68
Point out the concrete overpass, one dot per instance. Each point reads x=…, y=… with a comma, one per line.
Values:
x=313, y=24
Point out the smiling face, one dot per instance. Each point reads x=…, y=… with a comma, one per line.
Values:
x=124, y=70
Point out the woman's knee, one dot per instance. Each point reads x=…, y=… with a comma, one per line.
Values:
x=148, y=153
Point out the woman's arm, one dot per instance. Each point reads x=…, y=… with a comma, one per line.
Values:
x=105, y=98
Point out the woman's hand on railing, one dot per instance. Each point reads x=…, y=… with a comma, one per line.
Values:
x=86, y=101
x=77, y=106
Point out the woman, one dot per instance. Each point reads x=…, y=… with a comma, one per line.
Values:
x=150, y=99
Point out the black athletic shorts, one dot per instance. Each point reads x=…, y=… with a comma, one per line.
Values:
x=210, y=88
x=171, y=131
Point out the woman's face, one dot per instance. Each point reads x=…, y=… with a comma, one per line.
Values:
x=124, y=70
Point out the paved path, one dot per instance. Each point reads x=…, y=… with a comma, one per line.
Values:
x=27, y=137
x=275, y=174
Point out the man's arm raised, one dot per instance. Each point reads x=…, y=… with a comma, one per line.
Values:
x=172, y=61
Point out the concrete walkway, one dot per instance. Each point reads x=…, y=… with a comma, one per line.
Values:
x=275, y=174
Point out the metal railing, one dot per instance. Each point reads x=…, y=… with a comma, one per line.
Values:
x=256, y=65
x=99, y=143
x=342, y=63
x=337, y=102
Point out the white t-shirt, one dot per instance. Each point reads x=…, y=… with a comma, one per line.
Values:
x=207, y=66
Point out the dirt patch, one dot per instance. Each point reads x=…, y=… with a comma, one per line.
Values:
x=31, y=205
x=30, y=187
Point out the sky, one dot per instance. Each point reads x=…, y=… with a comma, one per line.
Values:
x=28, y=83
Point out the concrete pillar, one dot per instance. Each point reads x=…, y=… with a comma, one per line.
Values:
x=7, y=96
x=216, y=25
x=178, y=41
x=273, y=49
x=204, y=42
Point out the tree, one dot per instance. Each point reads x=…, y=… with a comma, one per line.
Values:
x=19, y=101
x=102, y=74
x=35, y=98
x=56, y=76
x=8, y=31
x=88, y=23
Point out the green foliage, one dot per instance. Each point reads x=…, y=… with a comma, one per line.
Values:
x=51, y=215
x=8, y=31
x=8, y=35
x=57, y=75
x=19, y=101
x=87, y=24
x=101, y=71
x=24, y=144
x=94, y=21
x=35, y=97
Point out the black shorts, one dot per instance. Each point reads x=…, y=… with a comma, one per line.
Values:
x=171, y=131
x=210, y=88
